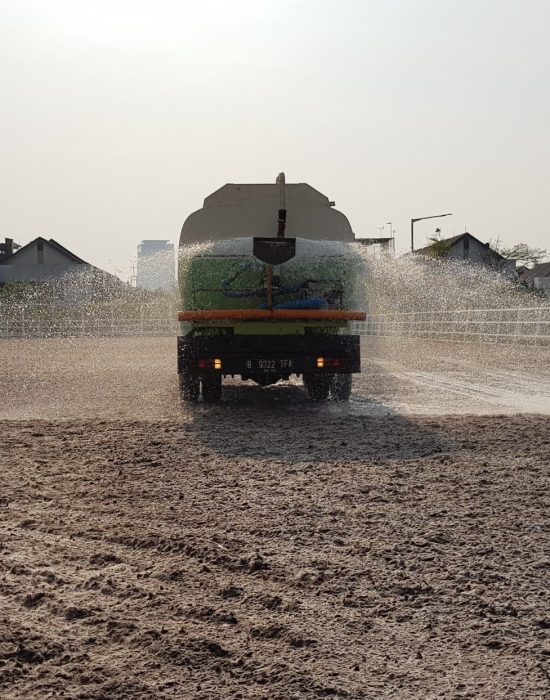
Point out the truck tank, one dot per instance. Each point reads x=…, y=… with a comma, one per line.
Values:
x=266, y=307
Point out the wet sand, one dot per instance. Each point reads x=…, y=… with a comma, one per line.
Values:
x=135, y=378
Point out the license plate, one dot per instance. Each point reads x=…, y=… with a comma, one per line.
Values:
x=278, y=365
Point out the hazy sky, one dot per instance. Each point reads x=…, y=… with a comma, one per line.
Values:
x=118, y=117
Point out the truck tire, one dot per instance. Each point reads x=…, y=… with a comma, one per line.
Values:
x=189, y=387
x=212, y=388
x=317, y=385
x=340, y=387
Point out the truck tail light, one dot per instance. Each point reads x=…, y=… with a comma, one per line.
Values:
x=210, y=364
x=326, y=362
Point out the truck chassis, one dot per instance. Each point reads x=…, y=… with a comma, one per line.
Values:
x=326, y=362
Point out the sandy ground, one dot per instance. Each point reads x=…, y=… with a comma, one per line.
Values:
x=268, y=547
x=135, y=378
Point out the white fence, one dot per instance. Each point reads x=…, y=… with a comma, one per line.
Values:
x=22, y=327
x=523, y=325
x=531, y=324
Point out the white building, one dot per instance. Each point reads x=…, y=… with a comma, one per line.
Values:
x=156, y=267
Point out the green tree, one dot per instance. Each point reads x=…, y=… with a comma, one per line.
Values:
x=438, y=247
x=521, y=253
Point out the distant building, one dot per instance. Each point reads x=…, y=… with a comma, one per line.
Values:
x=156, y=267
x=537, y=277
x=468, y=248
x=379, y=246
x=8, y=248
x=44, y=260
x=37, y=261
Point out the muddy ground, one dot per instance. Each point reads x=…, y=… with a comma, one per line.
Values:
x=267, y=547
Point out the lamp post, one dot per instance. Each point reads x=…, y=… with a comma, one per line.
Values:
x=390, y=247
x=421, y=218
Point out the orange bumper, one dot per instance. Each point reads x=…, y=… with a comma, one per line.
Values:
x=272, y=315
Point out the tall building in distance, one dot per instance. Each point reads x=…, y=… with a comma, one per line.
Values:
x=156, y=267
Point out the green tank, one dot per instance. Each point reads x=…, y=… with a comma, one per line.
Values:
x=268, y=285
x=226, y=274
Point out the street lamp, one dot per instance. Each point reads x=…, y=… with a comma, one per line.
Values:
x=421, y=218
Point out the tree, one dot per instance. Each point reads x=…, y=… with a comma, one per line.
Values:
x=521, y=253
x=438, y=247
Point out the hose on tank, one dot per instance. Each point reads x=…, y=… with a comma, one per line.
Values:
x=237, y=294
x=313, y=304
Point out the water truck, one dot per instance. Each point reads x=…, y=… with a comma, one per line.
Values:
x=268, y=286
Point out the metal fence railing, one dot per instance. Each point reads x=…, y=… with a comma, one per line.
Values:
x=528, y=325
x=66, y=327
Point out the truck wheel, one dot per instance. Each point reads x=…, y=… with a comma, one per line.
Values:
x=317, y=385
x=189, y=387
x=212, y=388
x=340, y=387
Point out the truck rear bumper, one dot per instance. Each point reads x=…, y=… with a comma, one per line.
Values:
x=272, y=315
x=251, y=356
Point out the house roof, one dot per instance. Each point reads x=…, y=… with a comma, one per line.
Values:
x=52, y=242
x=538, y=270
x=67, y=252
x=447, y=241
x=454, y=239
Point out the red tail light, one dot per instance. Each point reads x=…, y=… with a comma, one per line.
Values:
x=210, y=364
